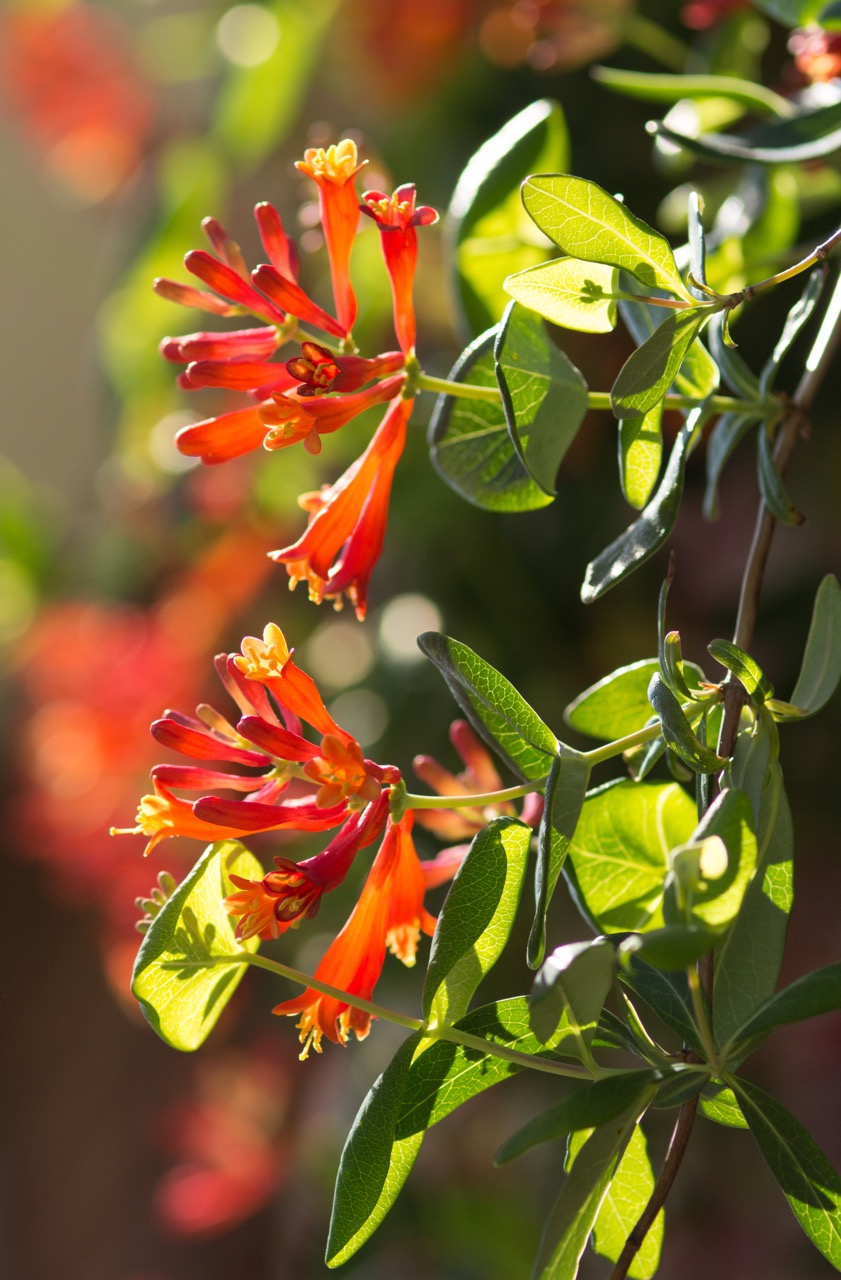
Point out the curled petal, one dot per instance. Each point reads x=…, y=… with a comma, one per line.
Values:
x=242, y=817
x=215, y=440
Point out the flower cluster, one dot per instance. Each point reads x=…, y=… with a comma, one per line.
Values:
x=284, y=781
x=325, y=384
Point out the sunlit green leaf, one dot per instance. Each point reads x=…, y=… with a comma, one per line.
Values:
x=571, y=293
x=470, y=444
x=628, y=1194
x=719, y=1104
x=808, y=1180
x=678, y=732
x=543, y=394
x=717, y=899
x=640, y=455
x=618, y=704
x=587, y=223
x=821, y=669
x=566, y=788
x=813, y=994
x=569, y=994
x=660, y=87
x=476, y=919
x=189, y=963
x=590, y=1106
x=649, y=371
x=698, y=375
x=809, y=135
x=490, y=233
x=494, y=707
x=744, y=667
x=619, y=855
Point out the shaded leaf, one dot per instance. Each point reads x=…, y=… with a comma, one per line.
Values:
x=470, y=444
x=180, y=976
x=678, y=732
x=566, y=789
x=698, y=375
x=476, y=918
x=771, y=485
x=821, y=669
x=569, y=994
x=647, y=374
x=809, y=135
x=660, y=87
x=795, y=320
x=490, y=234
x=544, y=396
x=725, y=435
x=748, y=672
x=815, y=993
x=673, y=947
x=571, y=293
x=587, y=223
x=494, y=707
x=736, y=374
x=667, y=996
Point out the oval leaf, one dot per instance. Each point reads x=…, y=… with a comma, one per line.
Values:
x=821, y=669
x=571, y=293
x=648, y=373
x=640, y=455
x=569, y=994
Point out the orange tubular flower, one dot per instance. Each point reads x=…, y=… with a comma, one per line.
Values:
x=289, y=418
x=396, y=216
x=344, y=537
x=389, y=912
x=334, y=171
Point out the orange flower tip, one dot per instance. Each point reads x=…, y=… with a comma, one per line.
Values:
x=337, y=164
x=266, y=658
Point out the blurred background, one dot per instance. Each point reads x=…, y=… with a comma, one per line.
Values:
x=124, y=567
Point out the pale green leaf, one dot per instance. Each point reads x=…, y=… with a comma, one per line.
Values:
x=569, y=292
x=627, y=1196
x=660, y=87
x=821, y=669
x=640, y=455
x=189, y=963
x=719, y=1104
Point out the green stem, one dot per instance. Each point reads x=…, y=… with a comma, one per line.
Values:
x=550, y=1065
x=469, y=802
x=595, y=399
x=811, y=260
x=304, y=980
x=467, y=390
x=649, y=37
x=703, y=1023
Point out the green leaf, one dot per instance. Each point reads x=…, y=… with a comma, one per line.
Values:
x=569, y=994
x=821, y=669
x=735, y=373
x=180, y=976
x=577, y=1206
x=589, y=1107
x=618, y=704
x=647, y=374
x=698, y=376
x=809, y=135
x=748, y=672
x=648, y=533
x=680, y=1087
x=566, y=789
x=815, y=993
x=795, y=320
x=808, y=1180
x=669, y=650
x=678, y=732
x=628, y=1194
x=660, y=87
x=719, y=1104
x=640, y=455
x=587, y=223
x=667, y=996
x=374, y=1164
x=748, y=962
x=470, y=444
x=619, y=855
x=725, y=435
x=258, y=104
x=493, y=706
x=773, y=490
x=798, y=13
x=489, y=232
x=675, y=946
x=544, y=397
x=476, y=918
x=716, y=900
x=571, y=293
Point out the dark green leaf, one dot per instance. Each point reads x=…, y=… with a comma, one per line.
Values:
x=569, y=994
x=543, y=394
x=189, y=963
x=673, y=947
x=795, y=320
x=667, y=996
x=640, y=455
x=821, y=669
x=494, y=707
x=725, y=435
x=678, y=732
x=489, y=232
x=773, y=490
x=649, y=371
x=619, y=855
x=648, y=533
x=809, y=135
x=589, y=1107
x=736, y=374
x=815, y=993
x=566, y=788
x=748, y=672
x=698, y=376
x=476, y=919
x=469, y=441
x=809, y=1182
x=799, y=13
x=661, y=87
x=571, y=293
x=718, y=1103
x=680, y=1087
x=587, y=223
x=374, y=1163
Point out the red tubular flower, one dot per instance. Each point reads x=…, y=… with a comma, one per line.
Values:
x=315, y=365
x=397, y=216
x=291, y=418
x=334, y=171
x=701, y=14
x=344, y=538
x=389, y=912
x=219, y=439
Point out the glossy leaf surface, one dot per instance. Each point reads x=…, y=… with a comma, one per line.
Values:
x=569, y=292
